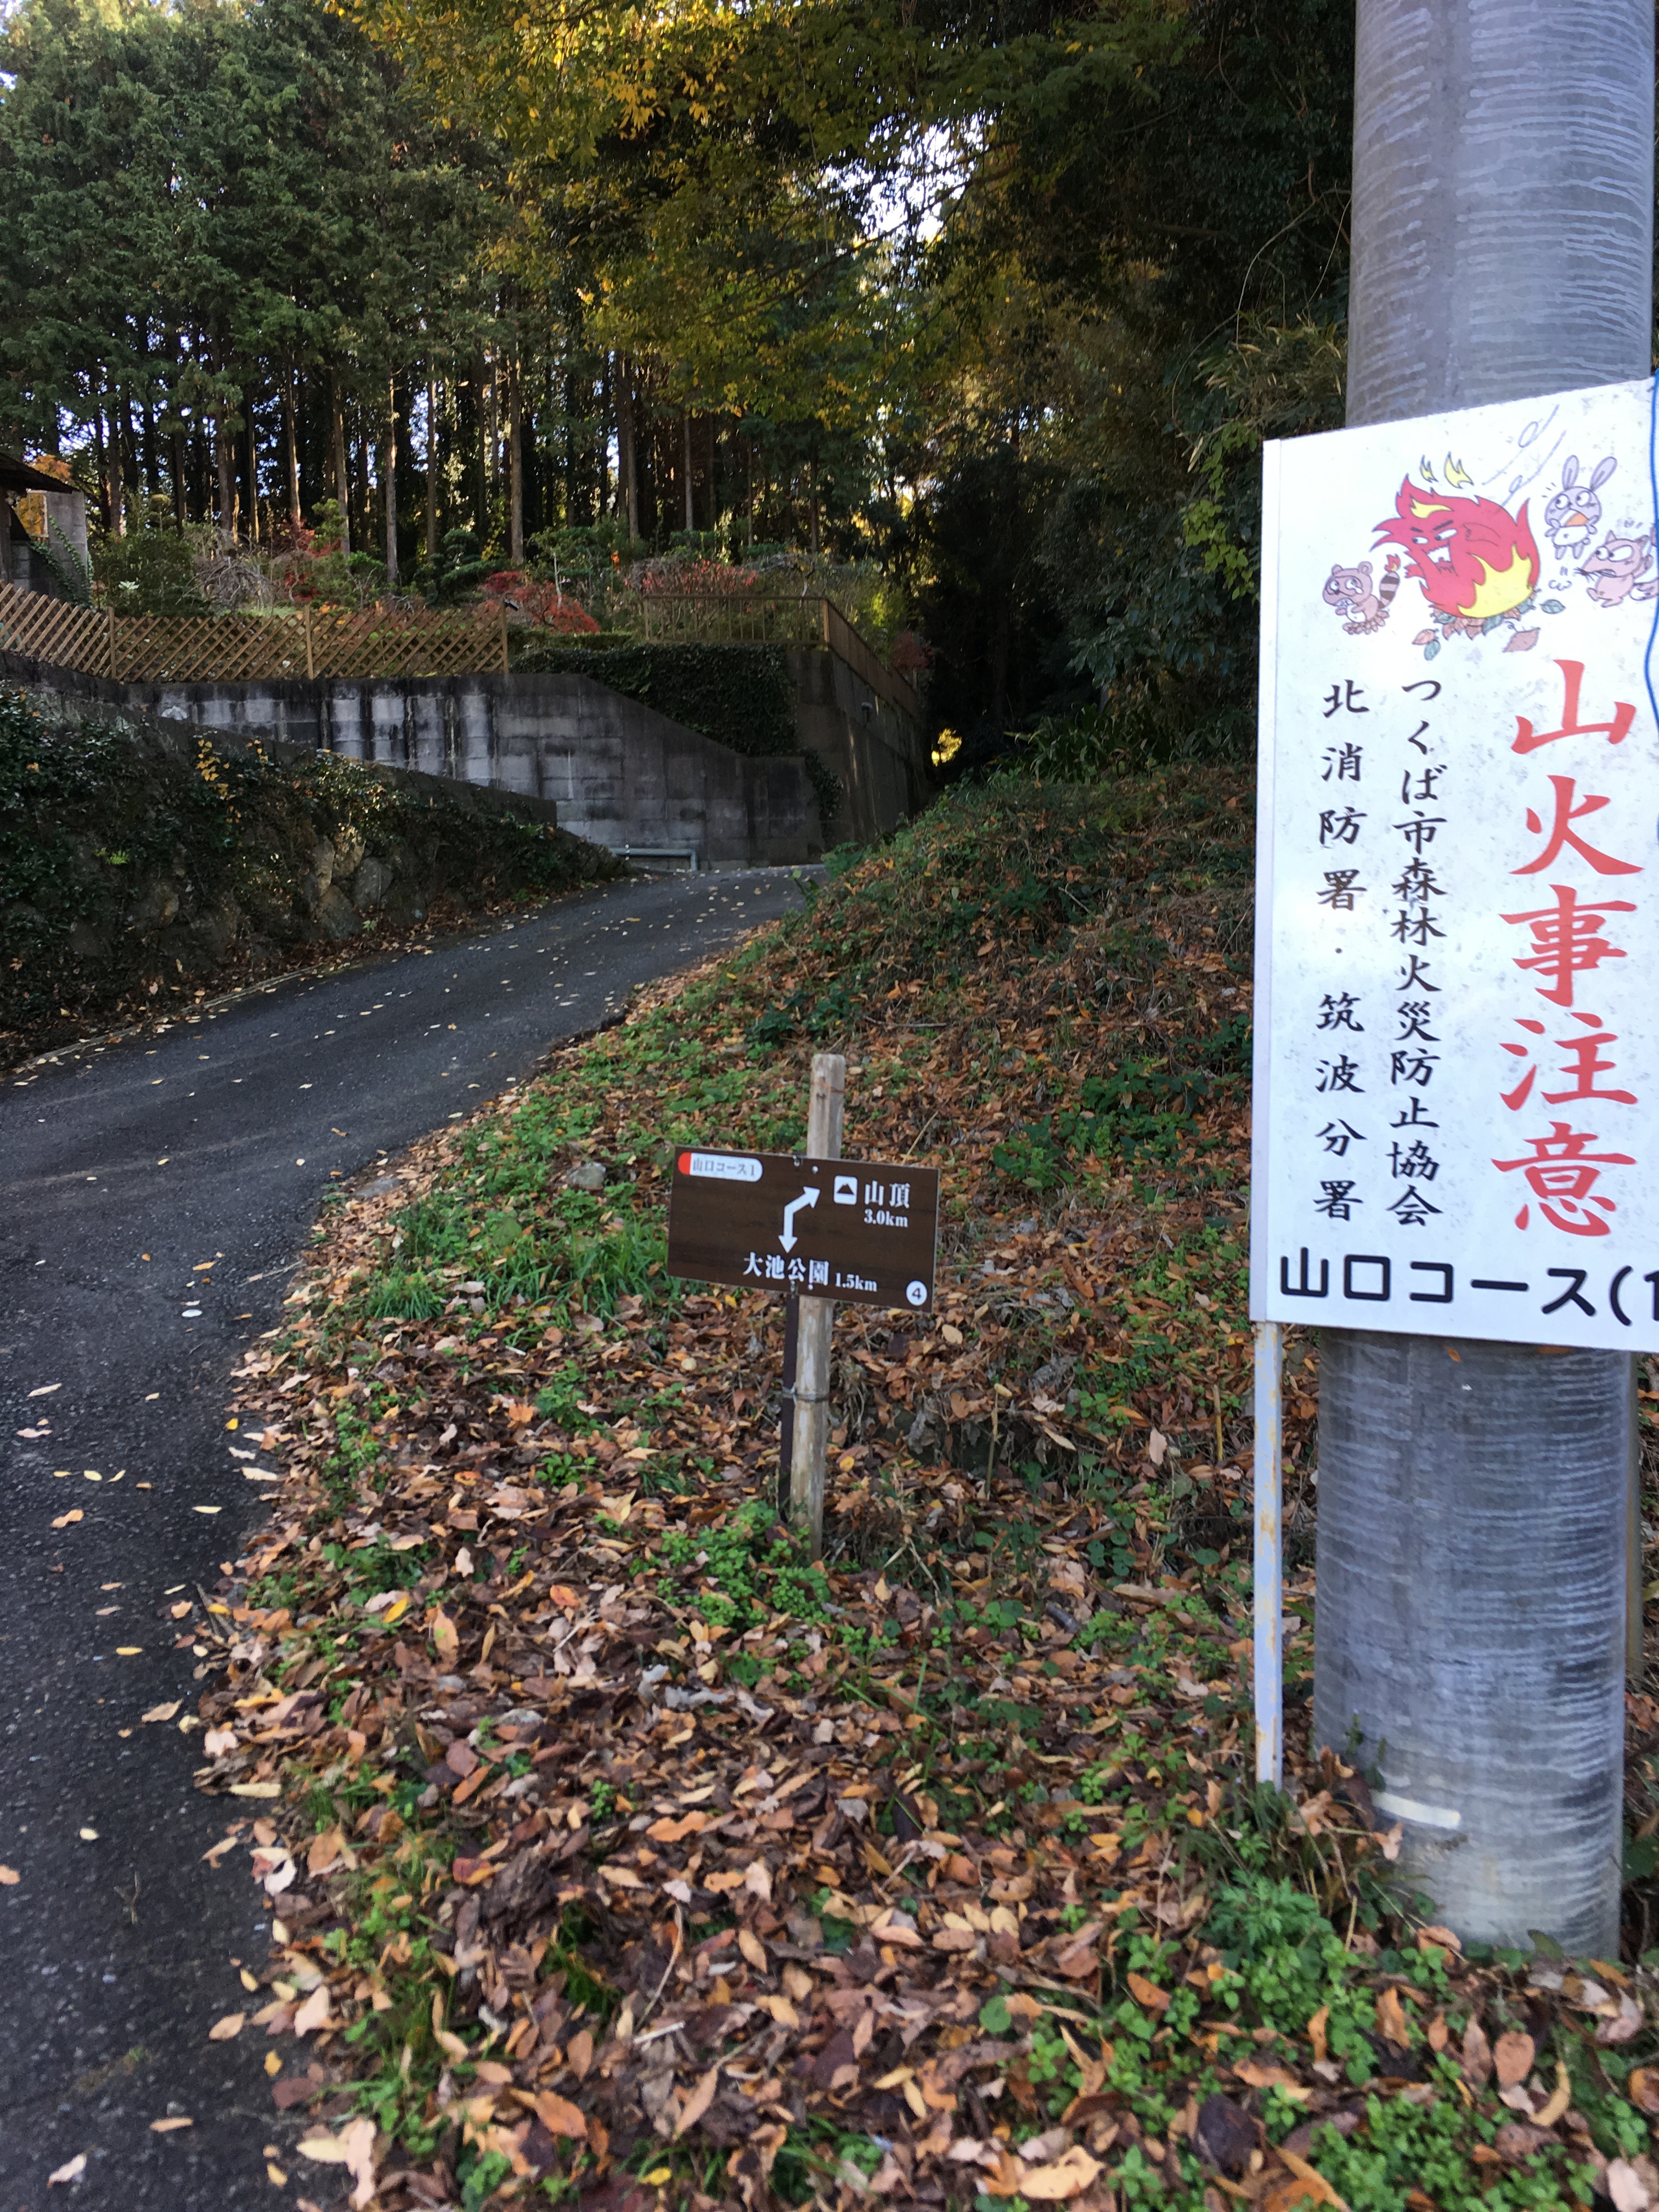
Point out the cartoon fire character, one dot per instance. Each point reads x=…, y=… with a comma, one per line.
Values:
x=1477, y=562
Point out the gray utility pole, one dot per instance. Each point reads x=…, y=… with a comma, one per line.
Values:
x=1472, y=1496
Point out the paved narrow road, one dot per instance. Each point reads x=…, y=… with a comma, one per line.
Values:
x=154, y=1197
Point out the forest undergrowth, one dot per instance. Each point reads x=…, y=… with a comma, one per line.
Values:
x=623, y=1856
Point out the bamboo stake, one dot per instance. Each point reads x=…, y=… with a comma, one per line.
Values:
x=813, y=1346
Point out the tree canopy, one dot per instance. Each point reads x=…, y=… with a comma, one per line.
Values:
x=1004, y=300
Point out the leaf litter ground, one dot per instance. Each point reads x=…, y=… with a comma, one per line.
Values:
x=622, y=1855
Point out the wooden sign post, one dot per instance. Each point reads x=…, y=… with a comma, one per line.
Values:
x=811, y=1406
x=785, y=1220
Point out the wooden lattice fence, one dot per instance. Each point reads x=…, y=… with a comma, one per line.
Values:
x=239, y=648
x=754, y=618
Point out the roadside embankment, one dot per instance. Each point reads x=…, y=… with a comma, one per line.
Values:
x=144, y=862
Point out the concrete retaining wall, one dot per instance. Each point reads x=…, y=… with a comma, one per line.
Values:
x=877, y=752
x=619, y=773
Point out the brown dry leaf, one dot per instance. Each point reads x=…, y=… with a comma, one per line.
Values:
x=447, y=1642
x=326, y=1850
x=1391, y=2019
x=1148, y=1993
x=222, y=2030
x=753, y=1949
x=9, y=1877
x=1560, y=2097
x=1303, y=2185
x=698, y=2102
x=64, y=1520
x=1272, y=2077
x=162, y=1712
x=559, y=2116
x=1513, y=2057
x=1477, y=2055
x=1316, y=2027
x=353, y=2148
x=70, y=2170
x=314, y=2012
x=1641, y=2087
x=1068, y=2176
x=170, y=2127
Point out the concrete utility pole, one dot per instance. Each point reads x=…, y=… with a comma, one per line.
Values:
x=1472, y=1496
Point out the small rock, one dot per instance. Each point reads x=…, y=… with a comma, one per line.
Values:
x=588, y=1176
x=337, y=915
x=370, y=885
x=87, y=943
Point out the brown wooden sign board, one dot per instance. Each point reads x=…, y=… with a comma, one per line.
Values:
x=860, y=1230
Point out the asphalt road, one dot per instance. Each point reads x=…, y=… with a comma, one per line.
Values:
x=154, y=1196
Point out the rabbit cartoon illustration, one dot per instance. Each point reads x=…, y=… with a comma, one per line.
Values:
x=1363, y=607
x=1614, y=566
x=1574, y=514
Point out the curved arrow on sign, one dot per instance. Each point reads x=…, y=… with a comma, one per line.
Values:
x=788, y=1240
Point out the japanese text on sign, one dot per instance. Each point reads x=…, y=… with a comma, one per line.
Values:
x=1455, y=1027
x=822, y=1228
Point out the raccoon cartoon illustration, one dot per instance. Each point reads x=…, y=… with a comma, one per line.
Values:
x=1614, y=566
x=1363, y=606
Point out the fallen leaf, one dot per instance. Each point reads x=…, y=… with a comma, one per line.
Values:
x=1560, y=2097
x=222, y=2030
x=1391, y=2019
x=314, y=2012
x=1624, y=2184
x=1316, y=2027
x=1626, y=2023
x=1273, y=2078
x=218, y=1741
x=1442, y=1937
x=1641, y=2087
x=64, y=1519
x=1513, y=2057
x=9, y=1877
x=353, y=2148
x=1477, y=2055
x=71, y=2169
x=1225, y=2133
x=162, y=1712
x=1303, y=2184
x=698, y=2102
x=1148, y=1993
x=256, y=1789
x=559, y=2116
x=170, y=2127
x=1067, y=2176
x=445, y=1639
x=330, y=1849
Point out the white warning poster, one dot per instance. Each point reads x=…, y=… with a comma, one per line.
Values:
x=1457, y=925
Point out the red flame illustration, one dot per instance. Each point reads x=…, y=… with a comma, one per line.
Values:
x=1473, y=558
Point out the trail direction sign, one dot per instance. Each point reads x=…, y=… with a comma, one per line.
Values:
x=863, y=1230
x=1456, y=1018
